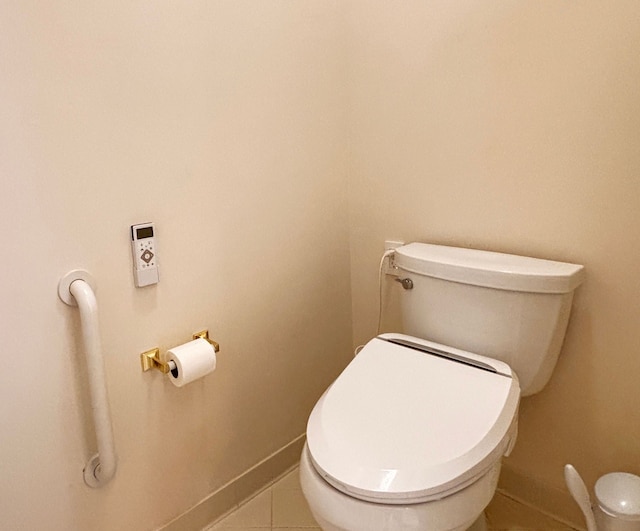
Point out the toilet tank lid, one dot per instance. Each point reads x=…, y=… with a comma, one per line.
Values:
x=489, y=269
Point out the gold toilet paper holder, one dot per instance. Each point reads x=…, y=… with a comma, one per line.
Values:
x=151, y=358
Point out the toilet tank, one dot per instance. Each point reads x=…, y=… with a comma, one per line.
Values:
x=508, y=307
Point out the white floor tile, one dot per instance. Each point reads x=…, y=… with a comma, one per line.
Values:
x=283, y=507
x=255, y=514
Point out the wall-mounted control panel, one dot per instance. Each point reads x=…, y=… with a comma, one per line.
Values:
x=144, y=252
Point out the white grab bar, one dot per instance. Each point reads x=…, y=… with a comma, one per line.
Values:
x=75, y=289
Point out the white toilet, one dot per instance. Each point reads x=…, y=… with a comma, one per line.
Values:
x=411, y=435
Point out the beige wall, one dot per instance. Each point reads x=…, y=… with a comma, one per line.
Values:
x=512, y=126
x=237, y=127
x=223, y=123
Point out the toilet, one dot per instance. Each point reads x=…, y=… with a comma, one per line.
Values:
x=412, y=433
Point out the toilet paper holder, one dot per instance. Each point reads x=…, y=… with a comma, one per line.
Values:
x=151, y=358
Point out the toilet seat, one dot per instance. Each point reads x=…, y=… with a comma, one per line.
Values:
x=401, y=425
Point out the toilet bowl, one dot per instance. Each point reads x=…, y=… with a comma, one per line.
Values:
x=335, y=511
x=411, y=435
x=374, y=461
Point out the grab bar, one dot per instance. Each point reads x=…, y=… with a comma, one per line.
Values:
x=76, y=289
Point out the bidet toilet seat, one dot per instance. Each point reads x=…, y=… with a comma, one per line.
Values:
x=401, y=425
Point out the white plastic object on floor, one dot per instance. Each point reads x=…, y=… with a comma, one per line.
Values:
x=578, y=490
x=618, y=497
x=76, y=288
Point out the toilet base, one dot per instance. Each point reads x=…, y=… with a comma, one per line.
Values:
x=480, y=524
x=336, y=511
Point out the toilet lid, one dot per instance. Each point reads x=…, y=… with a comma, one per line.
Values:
x=400, y=425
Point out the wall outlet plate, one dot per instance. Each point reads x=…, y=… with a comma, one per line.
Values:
x=389, y=267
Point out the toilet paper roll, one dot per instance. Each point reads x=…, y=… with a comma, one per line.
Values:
x=193, y=360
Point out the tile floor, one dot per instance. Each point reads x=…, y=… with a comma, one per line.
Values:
x=282, y=506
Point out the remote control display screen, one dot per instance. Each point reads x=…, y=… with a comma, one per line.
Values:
x=144, y=232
